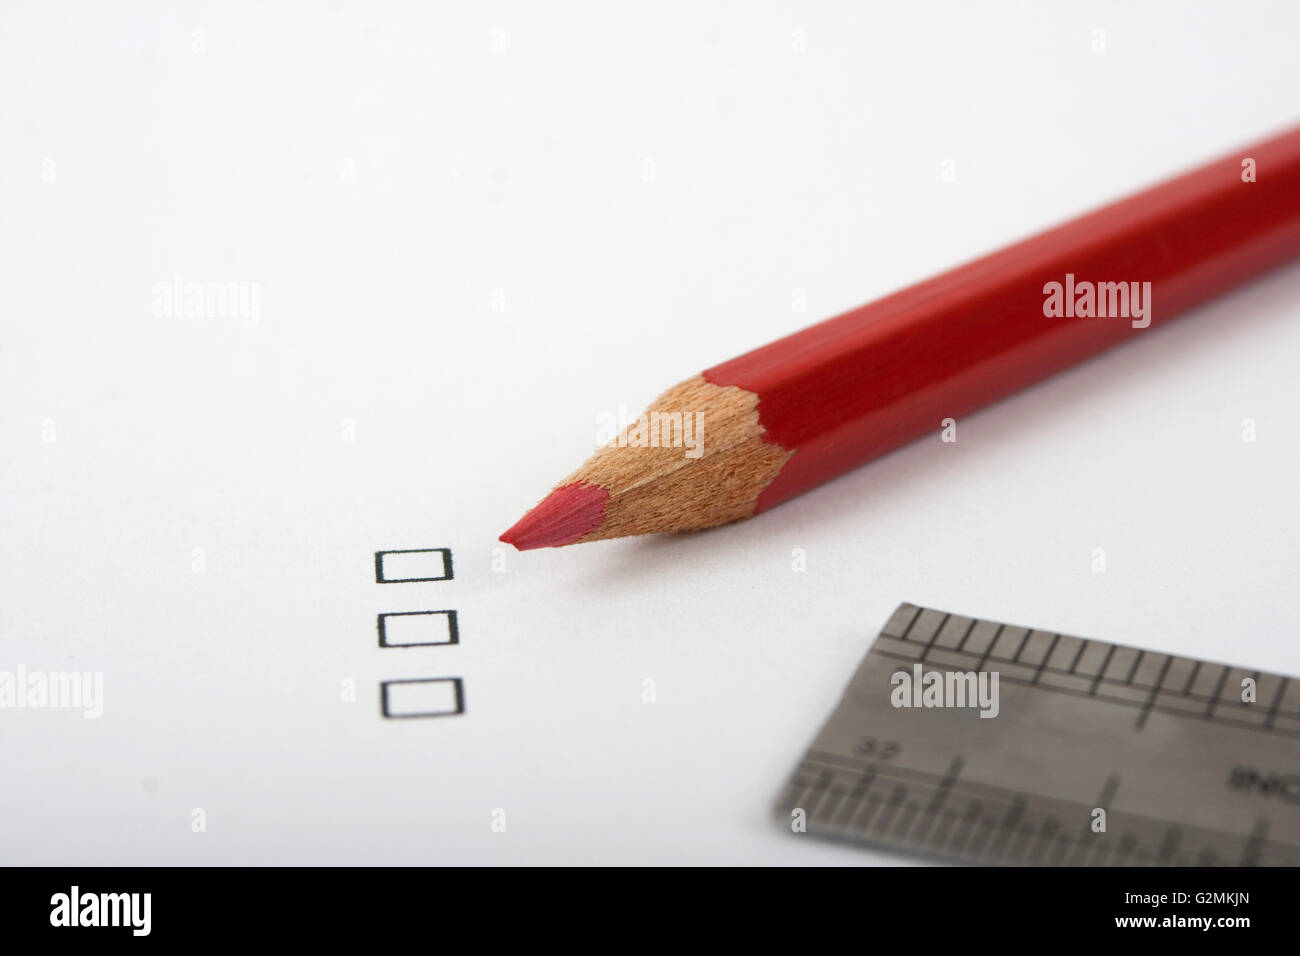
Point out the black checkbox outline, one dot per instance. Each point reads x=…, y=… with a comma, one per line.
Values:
x=460, y=697
x=453, y=629
x=448, y=571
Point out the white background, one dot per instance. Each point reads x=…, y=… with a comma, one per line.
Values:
x=475, y=228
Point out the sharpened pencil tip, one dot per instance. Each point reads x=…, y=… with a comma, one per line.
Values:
x=567, y=515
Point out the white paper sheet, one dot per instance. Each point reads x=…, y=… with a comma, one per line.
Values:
x=431, y=247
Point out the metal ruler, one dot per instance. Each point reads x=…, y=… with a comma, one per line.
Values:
x=1188, y=762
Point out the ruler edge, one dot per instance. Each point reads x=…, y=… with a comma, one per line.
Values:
x=780, y=813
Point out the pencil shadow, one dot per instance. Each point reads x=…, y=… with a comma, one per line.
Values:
x=1018, y=418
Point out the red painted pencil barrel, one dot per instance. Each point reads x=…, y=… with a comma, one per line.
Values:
x=859, y=385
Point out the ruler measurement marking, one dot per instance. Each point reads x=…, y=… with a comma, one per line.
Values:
x=1219, y=718
x=1096, y=679
x=1077, y=654
x=855, y=798
x=925, y=651
x=817, y=790
x=1086, y=840
x=908, y=630
x=1102, y=673
x=1015, y=658
x=1133, y=669
x=966, y=633
x=946, y=819
x=873, y=802
x=1064, y=671
x=1099, y=677
x=910, y=813
x=940, y=795
x=966, y=636
x=895, y=801
x=973, y=811
x=838, y=795
x=1277, y=703
x=989, y=649
x=1108, y=791
x=1006, y=827
x=1002, y=796
x=1218, y=689
x=1151, y=698
x=1038, y=672
x=1092, y=847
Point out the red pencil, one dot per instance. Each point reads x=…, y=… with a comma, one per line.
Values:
x=753, y=432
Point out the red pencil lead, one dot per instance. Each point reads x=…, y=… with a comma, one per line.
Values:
x=565, y=516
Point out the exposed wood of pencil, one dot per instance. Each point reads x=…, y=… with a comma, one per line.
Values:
x=800, y=411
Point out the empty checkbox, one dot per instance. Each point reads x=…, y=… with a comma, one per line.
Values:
x=422, y=697
x=420, y=564
x=418, y=629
